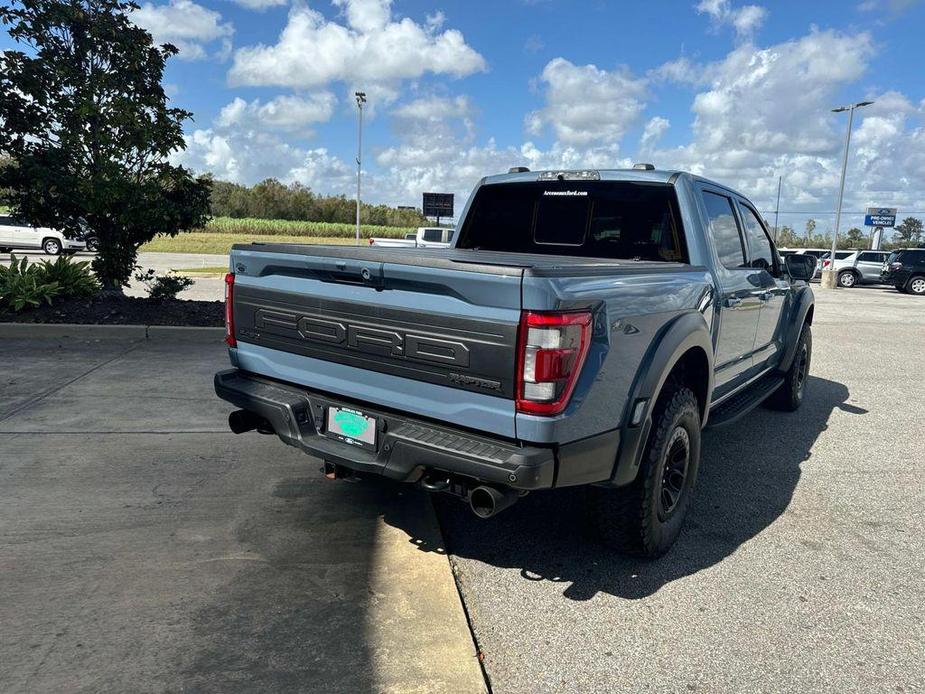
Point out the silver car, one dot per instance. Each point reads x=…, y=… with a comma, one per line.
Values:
x=857, y=267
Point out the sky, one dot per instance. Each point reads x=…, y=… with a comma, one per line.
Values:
x=459, y=89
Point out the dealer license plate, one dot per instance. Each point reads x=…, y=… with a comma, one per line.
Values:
x=351, y=426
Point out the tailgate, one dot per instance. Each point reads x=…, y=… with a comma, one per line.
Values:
x=427, y=337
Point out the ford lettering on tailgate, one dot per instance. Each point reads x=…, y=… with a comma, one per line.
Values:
x=365, y=338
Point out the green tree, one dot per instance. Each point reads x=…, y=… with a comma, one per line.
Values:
x=86, y=120
x=853, y=238
x=5, y=162
x=787, y=238
x=810, y=230
x=908, y=233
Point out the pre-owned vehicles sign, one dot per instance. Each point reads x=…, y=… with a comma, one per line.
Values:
x=880, y=217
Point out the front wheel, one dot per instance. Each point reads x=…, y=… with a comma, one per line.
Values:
x=51, y=246
x=645, y=518
x=790, y=395
x=917, y=286
x=847, y=280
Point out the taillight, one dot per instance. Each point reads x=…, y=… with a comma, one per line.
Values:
x=229, y=311
x=825, y=263
x=552, y=349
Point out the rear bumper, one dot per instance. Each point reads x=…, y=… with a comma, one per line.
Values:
x=408, y=447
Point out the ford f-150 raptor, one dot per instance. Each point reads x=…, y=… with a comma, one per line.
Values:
x=582, y=329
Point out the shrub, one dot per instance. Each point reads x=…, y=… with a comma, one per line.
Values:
x=163, y=286
x=22, y=286
x=73, y=278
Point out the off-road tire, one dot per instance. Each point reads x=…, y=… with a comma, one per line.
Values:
x=633, y=519
x=789, y=396
x=847, y=279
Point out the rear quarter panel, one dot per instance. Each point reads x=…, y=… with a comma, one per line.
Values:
x=631, y=312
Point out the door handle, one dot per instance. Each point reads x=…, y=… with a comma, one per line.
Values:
x=732, y=301
x=764, y=295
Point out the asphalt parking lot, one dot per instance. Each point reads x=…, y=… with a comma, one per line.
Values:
x=801, y=568
x=144, y=548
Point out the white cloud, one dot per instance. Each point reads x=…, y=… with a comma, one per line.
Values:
x=287, y=113
x=745, y=20
x=586, y=105
x=371, y=49
x=430, y=130
x=653, y=132
x=186, y=25
x=261, y=5
x=248, y=156
x=757, y=113
x=765, y=112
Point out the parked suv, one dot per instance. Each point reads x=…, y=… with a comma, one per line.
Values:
x=857, y=267
x=19, y=235
x=905, y=270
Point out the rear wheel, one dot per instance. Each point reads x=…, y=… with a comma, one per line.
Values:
x=789, y=396
x=847, y=279
x=917, y=286
x=646, y=517
x=51, y=246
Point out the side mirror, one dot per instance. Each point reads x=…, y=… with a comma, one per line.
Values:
x=800, y=267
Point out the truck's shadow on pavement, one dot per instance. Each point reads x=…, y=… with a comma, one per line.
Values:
x=748, y=474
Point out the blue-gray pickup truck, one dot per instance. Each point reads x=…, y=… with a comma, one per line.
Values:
x=582, y=329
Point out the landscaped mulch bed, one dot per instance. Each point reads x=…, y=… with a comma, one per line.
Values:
x=123, y=310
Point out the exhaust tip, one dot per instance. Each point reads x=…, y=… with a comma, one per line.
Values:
x=482, y=502
x=486, y=502
x=242, y=421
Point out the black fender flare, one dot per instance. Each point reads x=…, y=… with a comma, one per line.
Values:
x=804, y=301
x=687, y=331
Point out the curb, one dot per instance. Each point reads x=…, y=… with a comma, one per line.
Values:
x=176, y=333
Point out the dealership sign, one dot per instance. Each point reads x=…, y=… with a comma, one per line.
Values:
x=880, y=217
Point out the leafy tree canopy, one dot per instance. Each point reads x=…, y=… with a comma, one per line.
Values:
x=84, y=117
x=909, y=232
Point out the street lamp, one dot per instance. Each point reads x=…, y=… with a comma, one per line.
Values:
x=829, y=278
x=361, y=99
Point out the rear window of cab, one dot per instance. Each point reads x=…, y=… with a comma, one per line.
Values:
x=596, y=219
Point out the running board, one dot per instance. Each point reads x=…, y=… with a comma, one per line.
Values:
x=744, y=401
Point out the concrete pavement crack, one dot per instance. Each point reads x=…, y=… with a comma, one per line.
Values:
x=51, y=391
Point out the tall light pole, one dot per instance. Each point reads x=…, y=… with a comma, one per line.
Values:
x=361, y=99
x=829, y=278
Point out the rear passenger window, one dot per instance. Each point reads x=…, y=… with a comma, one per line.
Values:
x=759, y=245
x=725, y=230
x=870, y=258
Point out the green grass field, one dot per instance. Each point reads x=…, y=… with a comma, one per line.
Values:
x=213, y=242
x=276, y=227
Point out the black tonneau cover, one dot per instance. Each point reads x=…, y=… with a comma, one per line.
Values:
x=491, y=262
